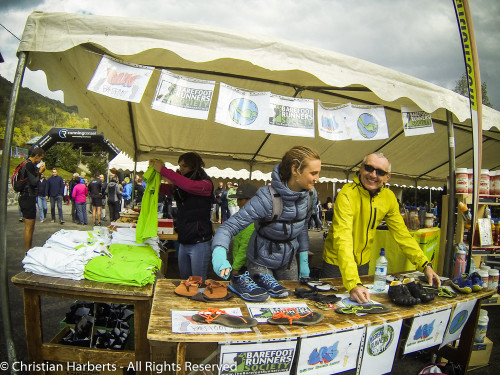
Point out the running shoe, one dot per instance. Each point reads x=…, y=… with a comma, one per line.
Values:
x=400, y=294
x=462, y=283
x=477, y=282
x=246, y=288
x=269, y=283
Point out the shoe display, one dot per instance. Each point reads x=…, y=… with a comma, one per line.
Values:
x=189, y=287
x=217, y=316
x=269, y=283
x=290, y=315
x=400, y=294
x=462, y=283
x=246, y=288
x=477, y=282
x=418, y=291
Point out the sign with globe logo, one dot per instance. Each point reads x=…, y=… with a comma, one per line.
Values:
x=380, y=339
x=243, y=111
x=367, y=125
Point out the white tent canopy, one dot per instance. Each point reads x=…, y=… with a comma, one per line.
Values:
x=68, y=48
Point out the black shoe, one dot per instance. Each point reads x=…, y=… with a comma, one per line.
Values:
x=418, y=291
x=400, y=294
x=99, y=224
x=62, y=222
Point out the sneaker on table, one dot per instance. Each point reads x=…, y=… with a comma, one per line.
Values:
x=246, y=288
x=269, y=283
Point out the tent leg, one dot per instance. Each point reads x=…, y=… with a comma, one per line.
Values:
x=4, y=181
x=450, y=230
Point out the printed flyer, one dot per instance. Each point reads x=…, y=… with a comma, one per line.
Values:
x=182, y=322
x=416, y=121
x=427, y=330
x=381, y=343
x=262, y=312
x=291, y=116
x=183, y=96
x=268, y=357
x=331, y=353
x=120, y=81
x=457, y=321
x=332, y=122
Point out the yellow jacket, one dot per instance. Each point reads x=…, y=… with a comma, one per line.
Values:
x=356, y=216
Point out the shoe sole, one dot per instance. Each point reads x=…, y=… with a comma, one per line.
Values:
x=247, y=297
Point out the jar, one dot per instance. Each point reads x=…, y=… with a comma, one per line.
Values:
x=482, y=326
x=493, y=278
x=484, y=276
x=429, y=220
x=470, y=186
x=495, y=183
x=484, y=182
x=413, y=222
x=462, y=181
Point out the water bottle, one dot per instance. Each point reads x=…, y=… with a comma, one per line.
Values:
x=460, y=262
x=380, y=272
x=482, y=326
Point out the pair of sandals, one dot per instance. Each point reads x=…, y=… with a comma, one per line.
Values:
x=214, y=290
x=315, y=296
x=316, y=284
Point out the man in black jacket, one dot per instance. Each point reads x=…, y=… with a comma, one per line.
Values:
x=27, y=197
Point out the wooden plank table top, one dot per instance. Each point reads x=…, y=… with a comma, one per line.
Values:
x=165, y=300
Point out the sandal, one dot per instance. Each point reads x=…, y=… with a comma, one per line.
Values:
x=363, y=309
x=214, y=290
x=290, y=315
x=217, y=316
x=316, y=284
x=189, y=287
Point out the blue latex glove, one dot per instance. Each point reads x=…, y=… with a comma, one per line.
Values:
x=219, y=261
x=304, y=264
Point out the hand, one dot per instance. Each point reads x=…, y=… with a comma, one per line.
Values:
x=304, y=264
x=432, y=277
x=360, y=294
x=42, y=168
x=219, y=262
x=158, y=165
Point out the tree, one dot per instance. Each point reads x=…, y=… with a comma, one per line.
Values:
x=98, y=162
x=62, y=155
x=462, y=87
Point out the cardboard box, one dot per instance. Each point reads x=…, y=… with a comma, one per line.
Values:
x=165, y=226
x=481, y=353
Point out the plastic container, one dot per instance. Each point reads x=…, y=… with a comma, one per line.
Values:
x=495, y=184
x=460, y=262
x=461, y=181
x=472, y=265
x=465, y=213
x=493, y=177
x=380, y=278
x=413, y=222
x=404, y=214
x=470, y=186
x=493, y=278
x=482, y=326
x=429, y=220
x=484, y=182
x=484, y=276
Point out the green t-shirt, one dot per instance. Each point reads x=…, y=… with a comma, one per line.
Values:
x=147, y=224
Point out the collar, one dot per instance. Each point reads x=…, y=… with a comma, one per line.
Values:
x=358, y=182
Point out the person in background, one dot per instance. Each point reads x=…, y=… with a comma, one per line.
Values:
x=359, y=208
x=240, y=242
x=139, y=187
x=55, y=193
x=74, y=181
x=66, y=192
x=103, y=207
x=315, y=221
x=95, y=192
x=127, y=193
x=41, y=199
x=114, y=193
x=218, y=200
x=193, y=192
x=79, y=194
x=224, y=204
x=231, y=202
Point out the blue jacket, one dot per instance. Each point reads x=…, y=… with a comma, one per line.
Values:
x=127, y=191
x=290, y=231
x=56, y=186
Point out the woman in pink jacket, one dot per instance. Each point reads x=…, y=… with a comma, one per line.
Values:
x=80, y=193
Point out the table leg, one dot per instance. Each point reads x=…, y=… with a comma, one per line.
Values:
x=142, y=349
x=181, y=358
x=33, y=326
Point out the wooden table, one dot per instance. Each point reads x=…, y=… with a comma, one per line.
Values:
x=160, y=324
x=35, y=286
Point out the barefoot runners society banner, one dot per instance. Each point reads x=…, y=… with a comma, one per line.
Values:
x=457, y=322
x=416, y=122
x=120, y=81
x=331, y=353
x=268, y=357
x=291, y=116
x=242, y=109
x=427, y=330
x=183, y=96
x=381, y=342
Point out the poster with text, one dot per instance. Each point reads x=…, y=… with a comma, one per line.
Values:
x=183, y=96
x=331, y=353
x=291, y=116
x=427, y=330
x=457, y=321
x=268, y=357
x=332, y=122
x=367, y=123
x=120, y=81
x=242, y=109
x=416, y=121
x=381, y=343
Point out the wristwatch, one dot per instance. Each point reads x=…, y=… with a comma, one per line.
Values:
x=428, y=264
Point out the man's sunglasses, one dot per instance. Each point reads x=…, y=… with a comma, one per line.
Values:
x=378, y=171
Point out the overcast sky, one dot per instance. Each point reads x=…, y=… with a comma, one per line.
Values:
x=419, y=38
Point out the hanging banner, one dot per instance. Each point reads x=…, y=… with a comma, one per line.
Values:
x=427, y=330
x=242, y=109
x=381, y=343
x=291, y=116
x=367, y=123
x=269, y=357
x=332, y=122
x=457, y=321
x=329, y=354
x=120, y=81
x=416, y=122
x=183, y=96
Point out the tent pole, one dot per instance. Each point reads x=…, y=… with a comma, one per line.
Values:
x=4, y=181
x=450, y=230
x=132, y=125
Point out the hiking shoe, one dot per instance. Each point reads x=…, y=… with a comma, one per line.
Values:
x=246, y=288
x=62, y=222
x=477, y=281
x=418, y=291
x=462, y=283
x=400, y=294
x=269, y=283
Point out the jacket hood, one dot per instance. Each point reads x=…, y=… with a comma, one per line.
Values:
x=282, y=189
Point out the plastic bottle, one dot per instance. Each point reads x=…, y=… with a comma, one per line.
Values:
x=482, y=326
x=460, y=262
x=493, y=278
x=465, y=213
x=380, y=272
x=472, y=265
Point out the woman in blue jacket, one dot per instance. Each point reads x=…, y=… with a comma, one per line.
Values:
x=275, y=241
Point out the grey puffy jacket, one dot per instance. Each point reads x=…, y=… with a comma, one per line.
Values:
x=274, y=244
